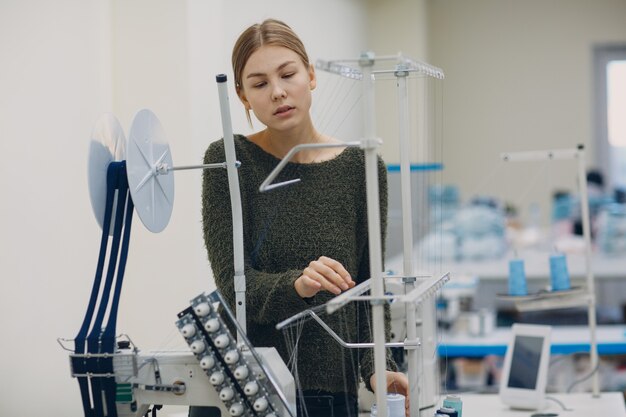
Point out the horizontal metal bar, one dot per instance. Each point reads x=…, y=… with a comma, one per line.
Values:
x=267, y=185
x=345, y=344
x=556, y=154
x=425, y=289
x=203, y=166
x=345, y=297
x=96, y=355
x=91, y=375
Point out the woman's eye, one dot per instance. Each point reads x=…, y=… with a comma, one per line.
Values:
x=289, y=75
x=259, y=85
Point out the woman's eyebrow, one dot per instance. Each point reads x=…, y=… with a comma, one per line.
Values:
x=261, y=74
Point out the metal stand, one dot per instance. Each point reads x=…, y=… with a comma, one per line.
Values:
x=576, y=298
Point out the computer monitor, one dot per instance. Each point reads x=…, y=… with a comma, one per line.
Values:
x=525, y=370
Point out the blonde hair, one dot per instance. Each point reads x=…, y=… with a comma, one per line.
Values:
x=269, y=32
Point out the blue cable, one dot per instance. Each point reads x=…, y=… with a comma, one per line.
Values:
x=94, y=341
x=102, y=339
x=79, y=340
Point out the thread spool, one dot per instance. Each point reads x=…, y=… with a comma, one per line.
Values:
x=227, y=394
x=197, y=346
x=202, y=309
x=216, y=378
x=395, y=406
x=241, y=372
x=559, y=275
x=212, y=325
x=188, y=330
x=517, y=277
x=231, y=357
x=236, y=410
x=260, y=404
x=207, y=362
x=454, y=402
x=222, y=340
x=251, y=388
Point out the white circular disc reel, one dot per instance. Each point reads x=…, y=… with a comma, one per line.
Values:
x=107, y=144
x=148, y=162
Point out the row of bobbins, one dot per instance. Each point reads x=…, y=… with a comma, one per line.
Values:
x=559, y=275
x=230, y=356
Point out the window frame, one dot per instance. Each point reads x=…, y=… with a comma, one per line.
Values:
x=602, y=55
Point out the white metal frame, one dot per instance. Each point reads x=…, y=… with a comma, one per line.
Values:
x=370, y=144
x=577, y=298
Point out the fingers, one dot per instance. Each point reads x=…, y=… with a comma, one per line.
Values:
x=320, y=275
x=306, y=287
x=330, y=274
x=335, y=272
x=323, y=274
x=397, y=382
x=338, y=268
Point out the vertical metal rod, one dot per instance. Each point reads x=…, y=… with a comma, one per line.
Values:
x=405, y=172
x=584, y=205
x=235, y=203
x=373, y=224
x=407, y=237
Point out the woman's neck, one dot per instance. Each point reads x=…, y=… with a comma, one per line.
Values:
x=279, y=143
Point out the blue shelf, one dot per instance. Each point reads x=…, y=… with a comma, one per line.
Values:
x=565, y=340
x=416, y=167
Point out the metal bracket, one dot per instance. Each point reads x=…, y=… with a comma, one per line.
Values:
x=240, y=283
x=370, y=143
x=176, y=388
x=412, y=344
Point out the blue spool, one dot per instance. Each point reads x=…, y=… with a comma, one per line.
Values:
x=517, y=277
x=559, y=276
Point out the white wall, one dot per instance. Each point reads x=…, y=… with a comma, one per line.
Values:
x=63, y=64
x=398, y=26
x=518, y=77
x=54, y=82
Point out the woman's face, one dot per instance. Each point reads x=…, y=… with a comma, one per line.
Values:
x=277, y=86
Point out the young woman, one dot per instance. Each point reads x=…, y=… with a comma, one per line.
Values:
x=304, y=243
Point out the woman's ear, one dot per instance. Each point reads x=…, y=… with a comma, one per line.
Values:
x=312, y=78
x=242, y=97
x=246, y=105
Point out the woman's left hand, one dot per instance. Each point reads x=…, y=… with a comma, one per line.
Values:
x=396, y=382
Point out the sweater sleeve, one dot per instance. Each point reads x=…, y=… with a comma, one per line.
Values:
x=270, y=297
x=365, y=329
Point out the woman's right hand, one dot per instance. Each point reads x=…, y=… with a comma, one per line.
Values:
x=323, y=274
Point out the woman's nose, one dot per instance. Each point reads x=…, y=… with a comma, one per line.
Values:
x=278, y=92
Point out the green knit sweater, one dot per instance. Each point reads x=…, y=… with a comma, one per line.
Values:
x=324, y=214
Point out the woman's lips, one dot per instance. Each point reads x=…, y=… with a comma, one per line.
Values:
x=282, y=110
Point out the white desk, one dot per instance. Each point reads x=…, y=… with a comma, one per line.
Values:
x=582, y=405
x=536, y=265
